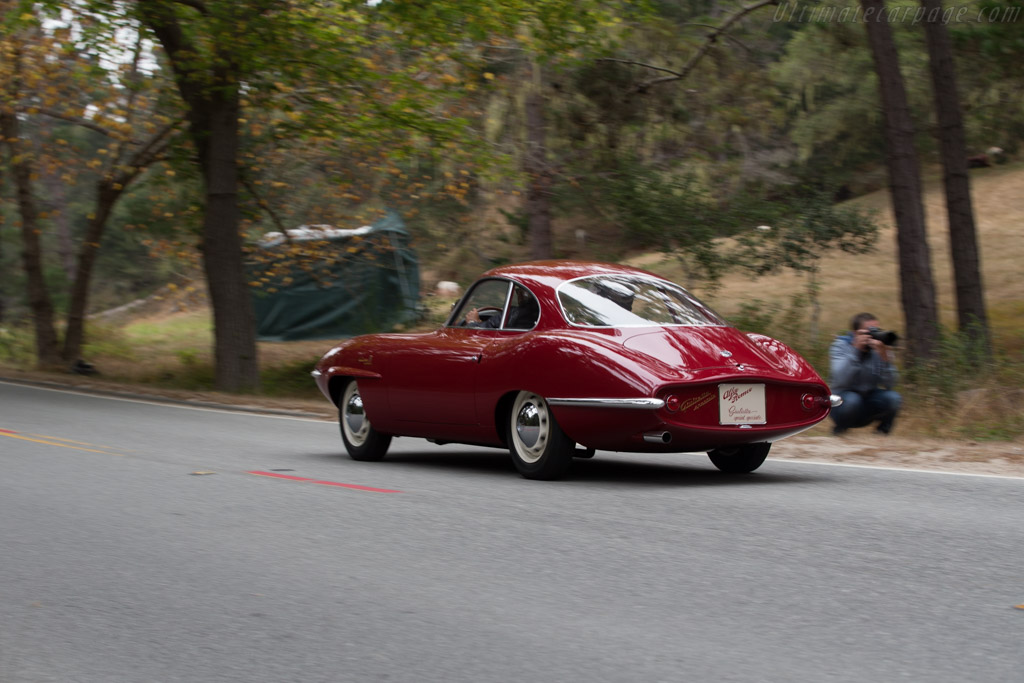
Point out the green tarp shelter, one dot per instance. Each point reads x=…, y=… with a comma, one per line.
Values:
x=322, y=282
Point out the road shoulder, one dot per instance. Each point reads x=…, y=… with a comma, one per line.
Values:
x=858, y=447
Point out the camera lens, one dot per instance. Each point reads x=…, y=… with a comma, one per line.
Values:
x=886, y=337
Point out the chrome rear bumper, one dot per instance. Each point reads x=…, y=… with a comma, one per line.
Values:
x=635, y=403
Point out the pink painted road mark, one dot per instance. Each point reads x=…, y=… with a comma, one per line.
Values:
x=357, y=487
x=8, y=431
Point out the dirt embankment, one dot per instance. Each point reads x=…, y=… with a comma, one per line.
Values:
x=864, y=447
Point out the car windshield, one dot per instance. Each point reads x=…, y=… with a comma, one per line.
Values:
x=631, y=301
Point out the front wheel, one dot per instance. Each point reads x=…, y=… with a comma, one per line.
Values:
x=362, y=441
x=539, y=447
x=740, y=459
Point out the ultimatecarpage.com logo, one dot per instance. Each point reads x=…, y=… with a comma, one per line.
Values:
x=814, y=13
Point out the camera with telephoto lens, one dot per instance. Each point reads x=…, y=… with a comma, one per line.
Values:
x=885, y=336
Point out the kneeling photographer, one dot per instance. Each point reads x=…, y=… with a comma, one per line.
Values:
x=863, y=373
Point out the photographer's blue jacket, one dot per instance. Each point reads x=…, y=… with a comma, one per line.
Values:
x=853, y=370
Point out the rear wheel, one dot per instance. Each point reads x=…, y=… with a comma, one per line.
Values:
x=362, y=441
x=539, y=447
x=740, y=459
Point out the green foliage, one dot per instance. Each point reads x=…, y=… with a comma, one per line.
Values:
x=656, y=209
x=289, y=379
x=108, y=341
x=958, y=364
x=827, y=81
x=809, y=226
x=989, y=53
x=755, y=316
x=17, y=346
x=191, y=376
x=982, y=397
x=351, y=106
x=188, y=357
x=166, y=334
x=789, y=324
x=12, y=283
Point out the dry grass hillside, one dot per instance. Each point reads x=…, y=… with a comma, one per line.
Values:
x=986, y=406
x=852, y=283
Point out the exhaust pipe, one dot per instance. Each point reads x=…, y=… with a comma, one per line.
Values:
x=657, y=437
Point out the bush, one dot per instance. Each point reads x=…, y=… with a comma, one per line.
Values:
x=959, y=394
x=17, y=347
x=962, y=393
x=289, y=379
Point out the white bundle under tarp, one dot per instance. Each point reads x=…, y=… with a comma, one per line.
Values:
x=307, y=233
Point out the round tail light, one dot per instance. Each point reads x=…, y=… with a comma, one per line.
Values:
x=672, y=403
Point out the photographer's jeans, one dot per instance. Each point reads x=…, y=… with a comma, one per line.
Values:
x=860, y=410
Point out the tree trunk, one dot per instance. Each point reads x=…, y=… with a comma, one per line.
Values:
x=963, y=243
x=538, y=173
x=234, y=322
x=47, y=355
x=917, y=288
x=211, y=96
x=74, y=336
x=3, y=303
x=109, y=189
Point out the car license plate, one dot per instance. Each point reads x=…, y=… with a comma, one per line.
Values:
x=741, y=404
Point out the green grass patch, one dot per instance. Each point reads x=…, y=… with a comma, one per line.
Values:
x=183, y=329
x=1006, y=320
x=289, y=379
x=190, y=376
x=108, y=341
x=17, y=346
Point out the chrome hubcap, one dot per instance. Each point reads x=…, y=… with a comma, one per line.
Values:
x=530, y=423
x=354, y=416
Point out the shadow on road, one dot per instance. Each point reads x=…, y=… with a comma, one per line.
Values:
x=618, y=469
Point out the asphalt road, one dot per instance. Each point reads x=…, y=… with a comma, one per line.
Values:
x=137, y=545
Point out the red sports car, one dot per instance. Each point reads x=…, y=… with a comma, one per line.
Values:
x=557, y=359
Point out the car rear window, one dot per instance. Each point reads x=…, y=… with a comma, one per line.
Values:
x=627, y=301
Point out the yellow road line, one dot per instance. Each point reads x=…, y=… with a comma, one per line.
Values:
x=77, y=443
x=62, y=445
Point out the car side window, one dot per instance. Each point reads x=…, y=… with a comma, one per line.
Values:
x=524, y=310
x=485, y=301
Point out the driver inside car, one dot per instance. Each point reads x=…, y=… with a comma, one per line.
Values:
x=522, y=316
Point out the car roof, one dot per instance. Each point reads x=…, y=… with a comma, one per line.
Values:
x=554, y=272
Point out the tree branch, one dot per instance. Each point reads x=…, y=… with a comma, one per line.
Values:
x=265, y=205
x=691, y=63
x=77, y=120
x=154, y=148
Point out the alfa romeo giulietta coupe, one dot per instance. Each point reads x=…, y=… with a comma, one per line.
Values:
x=558, y=359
